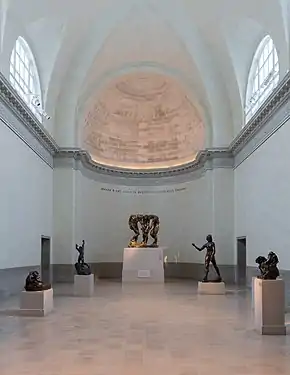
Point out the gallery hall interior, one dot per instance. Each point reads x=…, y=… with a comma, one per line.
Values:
x=145, y=189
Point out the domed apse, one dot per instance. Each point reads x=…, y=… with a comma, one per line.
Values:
x=142, y=121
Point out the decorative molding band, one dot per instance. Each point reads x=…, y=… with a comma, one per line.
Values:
x=276, y=100
x=270, y=117
x=206, y=159
x=89, y=169
x=19, y=108
x=11, y=122
x=277, y=120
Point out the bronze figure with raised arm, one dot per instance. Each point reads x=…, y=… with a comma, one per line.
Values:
x=81, y=266
x=209, y=258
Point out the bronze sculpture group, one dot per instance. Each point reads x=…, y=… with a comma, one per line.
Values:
x=149, y=225
x=34, y=284
x=209, y=258
x=81, y=266
x=268, y=266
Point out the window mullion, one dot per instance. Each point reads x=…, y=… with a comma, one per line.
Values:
x=23, y=73
x=264, y=74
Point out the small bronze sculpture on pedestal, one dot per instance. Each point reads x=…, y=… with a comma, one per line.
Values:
x=268, y=267
x=149, y=226
x=81, y=267
x=209, y=258
x=34, y=284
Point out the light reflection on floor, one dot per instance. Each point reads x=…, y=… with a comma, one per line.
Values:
x=141, y=330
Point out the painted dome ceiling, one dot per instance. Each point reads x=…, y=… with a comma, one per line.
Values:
x=142, y=121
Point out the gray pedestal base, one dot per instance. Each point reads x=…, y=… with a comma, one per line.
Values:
x=211, y=288
x=270, y=307
x=84, y=285
x=287, y=309
x=143, y=265
x=36, y=303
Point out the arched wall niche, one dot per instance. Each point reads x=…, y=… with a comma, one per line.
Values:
x=142, y=120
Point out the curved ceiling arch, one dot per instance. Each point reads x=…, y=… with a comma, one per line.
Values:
x=241, y=47
x=274, y=26
x=11, y=30
x=204, y=59
x=150, y=39
x=243, y=36
x=218, y=73
x=204, y=73
x=142, y=120
x=73, y=62
x=285, y=9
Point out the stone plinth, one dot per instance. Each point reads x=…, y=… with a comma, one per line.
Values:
x=211, y=288
x=253, y=294
x=254, y=278
x=36, y=303
x=143, y=265
x=84, y=285
x=270, y=306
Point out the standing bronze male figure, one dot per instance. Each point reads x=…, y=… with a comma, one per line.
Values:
x=209, y=257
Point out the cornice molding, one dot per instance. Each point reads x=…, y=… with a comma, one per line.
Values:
x=275, y=101
x=276, y=108
x=17, y=106
x=204, y=158
x=12, y=122
x=270, y=127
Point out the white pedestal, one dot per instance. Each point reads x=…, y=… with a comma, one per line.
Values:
x=211, y=288
x=84, y=285
x=36, y=303
x=270, y=306
x=254, y=278
x=143, y=265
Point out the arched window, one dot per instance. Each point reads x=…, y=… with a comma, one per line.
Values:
x=24, y=76
x=263, y=77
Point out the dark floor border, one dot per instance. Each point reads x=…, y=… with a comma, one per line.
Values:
x=109, y=270
x=12, y=280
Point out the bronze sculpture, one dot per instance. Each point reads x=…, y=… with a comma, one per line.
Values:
x=154, y=229
x=149, y=225
x=81, y=267
x=209, y=258
x=268, y=266
x=133, y=222
x=34, y=284
x=145, y=228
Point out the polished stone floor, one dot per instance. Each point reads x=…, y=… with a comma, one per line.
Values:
x=141, y=330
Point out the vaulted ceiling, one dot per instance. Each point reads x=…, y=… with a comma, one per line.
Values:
x=84, y=47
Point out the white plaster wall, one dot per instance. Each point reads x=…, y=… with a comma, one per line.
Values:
x=26, y=202
x=63, y=215
x=185, y=217
x=223, y=214
x=262, y=199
